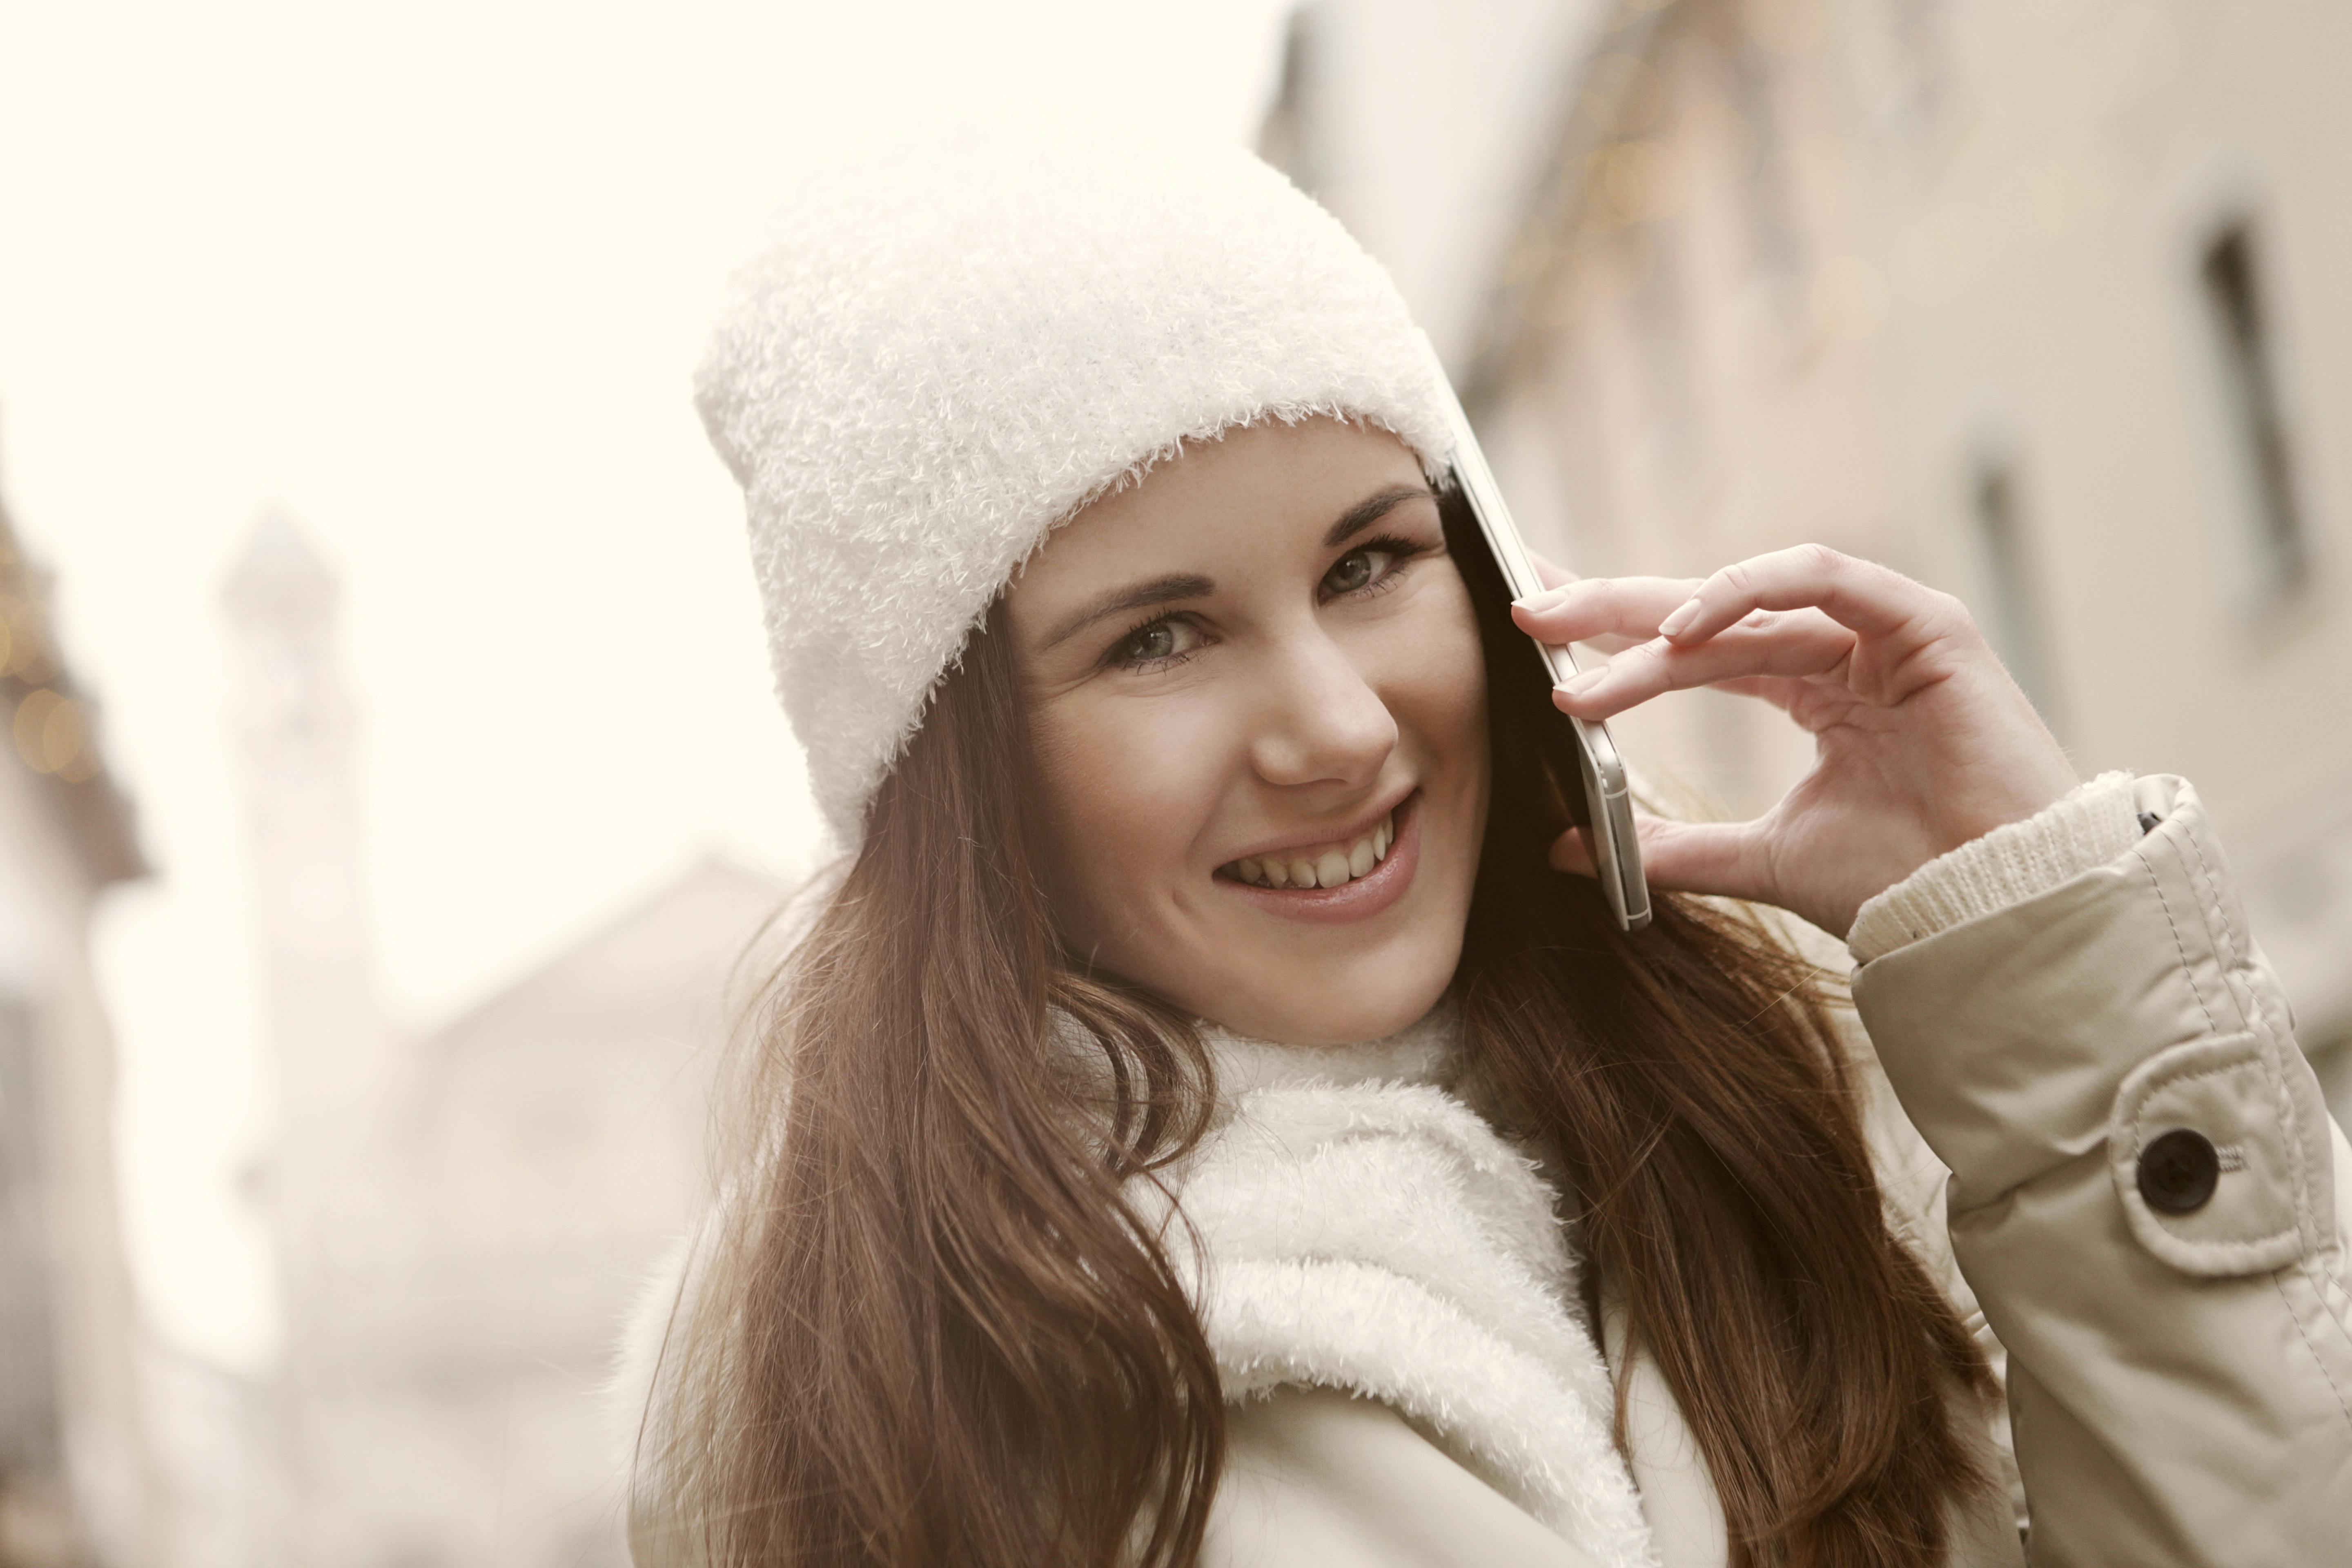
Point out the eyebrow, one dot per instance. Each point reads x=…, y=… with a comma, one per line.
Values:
x=1165, y=590
x=1370, y=510
x=1180, y=585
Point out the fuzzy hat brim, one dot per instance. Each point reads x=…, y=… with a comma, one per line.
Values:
x=945, y=353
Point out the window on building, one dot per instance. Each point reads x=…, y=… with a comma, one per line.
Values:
x=1767, y=198
x=1920, y=29
x=1287, y=137
x=2230, y=276
x=2012, y=615
x=30, y=1439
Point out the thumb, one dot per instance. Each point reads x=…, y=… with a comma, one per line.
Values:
x=1718, y=857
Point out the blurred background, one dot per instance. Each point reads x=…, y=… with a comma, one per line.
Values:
x=392, y=783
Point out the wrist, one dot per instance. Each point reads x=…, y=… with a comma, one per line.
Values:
x=2081, y=828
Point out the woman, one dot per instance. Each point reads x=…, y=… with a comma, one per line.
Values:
x=1208, y=1117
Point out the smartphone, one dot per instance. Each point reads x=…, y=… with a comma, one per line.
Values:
x=1609, y=805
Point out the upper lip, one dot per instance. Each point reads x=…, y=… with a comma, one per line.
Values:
x=1310, y=836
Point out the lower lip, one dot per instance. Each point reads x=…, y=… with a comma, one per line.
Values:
x=1358, y=898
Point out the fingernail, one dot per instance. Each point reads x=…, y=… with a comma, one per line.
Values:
x=1582, y=682
x=1543, y=601
x=1682, y=615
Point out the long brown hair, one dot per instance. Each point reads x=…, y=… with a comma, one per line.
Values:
x=930, y=1329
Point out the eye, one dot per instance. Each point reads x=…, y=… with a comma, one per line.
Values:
x=1368, y=567
x=1355, y=569
x=1160, y=642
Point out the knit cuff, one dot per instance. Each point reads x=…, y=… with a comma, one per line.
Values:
x=2084, y=829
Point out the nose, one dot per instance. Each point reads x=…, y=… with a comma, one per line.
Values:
x=1319, y=720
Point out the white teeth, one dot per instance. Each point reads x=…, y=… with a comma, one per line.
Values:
x=1328, y=869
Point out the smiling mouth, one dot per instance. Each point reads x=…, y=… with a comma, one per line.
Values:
x=1318, y=865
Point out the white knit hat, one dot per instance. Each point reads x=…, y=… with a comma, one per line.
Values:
x=943, y=353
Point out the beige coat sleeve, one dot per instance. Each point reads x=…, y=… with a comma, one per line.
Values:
x=2177, y=1321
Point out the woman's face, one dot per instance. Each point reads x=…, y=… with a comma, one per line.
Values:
x=1259, y=715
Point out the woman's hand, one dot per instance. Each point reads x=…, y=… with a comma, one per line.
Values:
x=1922, y=741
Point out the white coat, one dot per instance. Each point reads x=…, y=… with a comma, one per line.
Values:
x=1390, y=1300
x=2178, y=1375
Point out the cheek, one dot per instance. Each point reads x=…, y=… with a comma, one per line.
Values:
x=1438, y=693
x=1458, y=698
x=1128, y=786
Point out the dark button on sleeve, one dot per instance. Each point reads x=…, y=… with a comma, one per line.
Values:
x=2178, y=1171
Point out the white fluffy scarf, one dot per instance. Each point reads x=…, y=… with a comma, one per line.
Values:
x=1360, y=1228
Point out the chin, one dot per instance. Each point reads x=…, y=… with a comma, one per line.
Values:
x=1341, y=1009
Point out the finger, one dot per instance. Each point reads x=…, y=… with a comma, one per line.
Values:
x=1861, y=594
x=1569, y=854
x=1722, y=859
x=1800, y=645
x=1779, y=690
x=1593, y=607
x=1551, y=574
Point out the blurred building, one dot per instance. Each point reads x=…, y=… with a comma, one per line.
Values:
x=296, y=730
x=79, y=1484
x=461, y=1218
x=2040, y=300
x=552, y=1143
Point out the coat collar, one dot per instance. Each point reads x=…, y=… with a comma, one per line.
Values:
x=1351, y=1222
